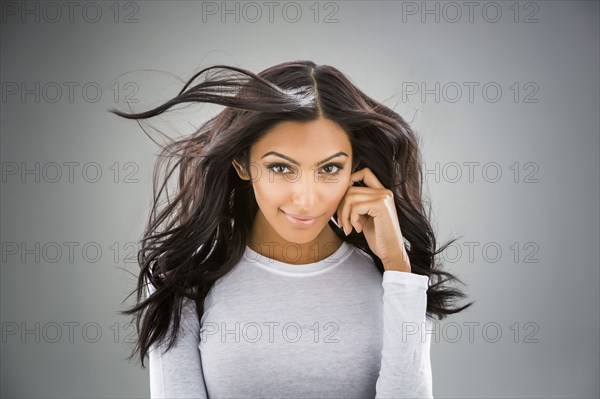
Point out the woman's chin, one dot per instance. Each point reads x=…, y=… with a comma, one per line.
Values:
x=301, y=236
x=299, y=239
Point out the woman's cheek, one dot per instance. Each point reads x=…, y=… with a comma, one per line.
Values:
x=332, y=193
x=270, y=188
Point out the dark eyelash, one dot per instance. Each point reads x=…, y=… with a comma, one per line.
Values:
x=337, y=165
x=273, y=165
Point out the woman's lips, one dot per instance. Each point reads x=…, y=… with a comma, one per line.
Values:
x=300, y=221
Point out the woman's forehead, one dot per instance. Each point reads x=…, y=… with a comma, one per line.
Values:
x=307, y=136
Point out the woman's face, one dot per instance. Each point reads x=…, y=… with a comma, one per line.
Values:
x=298, y=169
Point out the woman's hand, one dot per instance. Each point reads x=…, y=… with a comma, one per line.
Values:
x=371, y=210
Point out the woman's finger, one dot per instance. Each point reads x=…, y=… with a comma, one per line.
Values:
x=356, y=219
x=346, y=206
x=355, y=196
x=368, y=177
x=365, y=210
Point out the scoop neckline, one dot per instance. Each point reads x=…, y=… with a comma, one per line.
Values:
x=279, y=267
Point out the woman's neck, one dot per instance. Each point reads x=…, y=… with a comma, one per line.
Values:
x=323, y=246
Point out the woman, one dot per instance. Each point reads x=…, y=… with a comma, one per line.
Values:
x=296, y=258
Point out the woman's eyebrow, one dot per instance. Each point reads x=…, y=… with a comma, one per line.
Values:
x=337, y=154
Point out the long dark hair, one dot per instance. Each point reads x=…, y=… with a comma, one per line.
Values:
x=200, y=234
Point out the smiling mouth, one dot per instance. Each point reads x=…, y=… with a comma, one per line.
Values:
x=303, y=218
x=300, y=221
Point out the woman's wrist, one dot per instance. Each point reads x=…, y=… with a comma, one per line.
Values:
x=399, y=263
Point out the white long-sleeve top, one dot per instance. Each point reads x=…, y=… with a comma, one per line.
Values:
x=330, y=329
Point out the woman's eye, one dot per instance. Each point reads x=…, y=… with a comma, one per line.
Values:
x=281, y=169
x=335, y=171
x=277, y=168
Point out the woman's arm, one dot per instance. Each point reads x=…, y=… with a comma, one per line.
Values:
x=405, y=358
x=178, y=372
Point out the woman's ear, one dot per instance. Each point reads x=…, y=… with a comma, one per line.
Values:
x=240, y=170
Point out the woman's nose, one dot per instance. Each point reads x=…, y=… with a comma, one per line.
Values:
x=305, y=191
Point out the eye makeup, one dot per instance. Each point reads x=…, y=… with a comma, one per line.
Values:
x=273, y=167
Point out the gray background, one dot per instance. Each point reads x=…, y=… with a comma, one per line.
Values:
x=533, y=229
